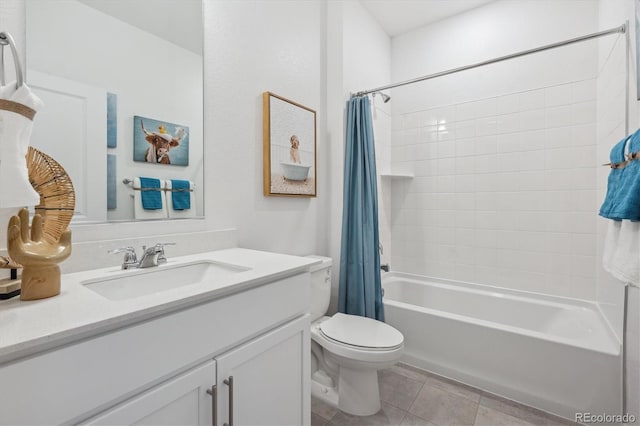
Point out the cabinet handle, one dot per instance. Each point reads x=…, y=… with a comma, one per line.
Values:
x=229, y=382
x=214, y=404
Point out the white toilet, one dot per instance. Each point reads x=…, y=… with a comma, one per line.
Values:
x=347, y=351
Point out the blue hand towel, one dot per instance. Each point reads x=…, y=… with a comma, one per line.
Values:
x=613, y=183
x=150, y=193
x=181, y=194
x=626, y=203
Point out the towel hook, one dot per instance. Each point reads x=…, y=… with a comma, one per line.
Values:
x=6, y=39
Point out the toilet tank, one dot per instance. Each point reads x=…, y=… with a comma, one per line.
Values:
x=320, y=287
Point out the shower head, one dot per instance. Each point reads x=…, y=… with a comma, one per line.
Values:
x=385, y=98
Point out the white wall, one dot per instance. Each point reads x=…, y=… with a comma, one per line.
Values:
x=496, y=29
x=611, y=98
x=504, y=155
x=358, y=58
x=253, y=47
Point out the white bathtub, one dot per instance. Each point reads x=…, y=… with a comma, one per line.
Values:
x=293, y=171
x=552, y=353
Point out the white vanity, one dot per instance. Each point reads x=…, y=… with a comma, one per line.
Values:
x=228, y=348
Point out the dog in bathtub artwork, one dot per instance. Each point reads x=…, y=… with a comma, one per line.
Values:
x=293, y=169
x=290, y=143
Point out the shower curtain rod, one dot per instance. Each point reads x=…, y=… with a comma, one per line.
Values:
x=621, y=29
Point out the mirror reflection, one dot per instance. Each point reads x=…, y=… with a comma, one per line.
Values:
x=122, y=86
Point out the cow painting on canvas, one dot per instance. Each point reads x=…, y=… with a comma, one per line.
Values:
x=160, y=143
x=167, y=144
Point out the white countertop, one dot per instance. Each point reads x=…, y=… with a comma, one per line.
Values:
x=28, y=327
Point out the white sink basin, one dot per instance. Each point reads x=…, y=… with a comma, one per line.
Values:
x=130, y=284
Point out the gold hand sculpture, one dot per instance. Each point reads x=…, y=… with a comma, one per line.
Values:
x=39, y=258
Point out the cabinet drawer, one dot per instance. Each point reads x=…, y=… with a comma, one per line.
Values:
x=82, y=379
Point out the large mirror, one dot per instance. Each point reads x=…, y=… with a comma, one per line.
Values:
x=122, y=86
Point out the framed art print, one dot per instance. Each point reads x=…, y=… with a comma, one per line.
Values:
x=289, y=132
x=160, y=142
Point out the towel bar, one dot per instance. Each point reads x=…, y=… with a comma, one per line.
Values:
x=129, y=182
x=630, y=157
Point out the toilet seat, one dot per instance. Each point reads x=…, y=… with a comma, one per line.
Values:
x=368, y=354
x=361, y=332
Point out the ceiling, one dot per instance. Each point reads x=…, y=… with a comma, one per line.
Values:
x=177, y=21
x=401, y=16
x=173, y=19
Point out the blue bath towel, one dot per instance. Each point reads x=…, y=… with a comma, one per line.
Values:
x=181, y=194
x=150, y=193
x=626, y=200
x=613, y=183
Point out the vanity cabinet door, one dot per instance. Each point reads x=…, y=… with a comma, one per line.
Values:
x=267, y=380
x=183, y=400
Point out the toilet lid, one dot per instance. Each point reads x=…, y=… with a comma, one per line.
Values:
x=360, y=331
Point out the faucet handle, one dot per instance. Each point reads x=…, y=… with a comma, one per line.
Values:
x=130, y=257
x=122, y=250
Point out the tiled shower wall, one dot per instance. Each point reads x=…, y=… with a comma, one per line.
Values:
x=503, y=190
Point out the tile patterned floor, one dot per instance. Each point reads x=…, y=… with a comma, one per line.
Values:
x=412, y=397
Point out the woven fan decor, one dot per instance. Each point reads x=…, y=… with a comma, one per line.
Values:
x=57, y=197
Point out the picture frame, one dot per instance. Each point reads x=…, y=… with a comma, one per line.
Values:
x=289, y=148
x=160, y=142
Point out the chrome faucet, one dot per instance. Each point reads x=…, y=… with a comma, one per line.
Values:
x=151, y=256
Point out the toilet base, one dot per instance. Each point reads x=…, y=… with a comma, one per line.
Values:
x=357, y=392
x=326, y=394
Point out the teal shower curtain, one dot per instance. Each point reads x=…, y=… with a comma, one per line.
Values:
x=360, y=288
